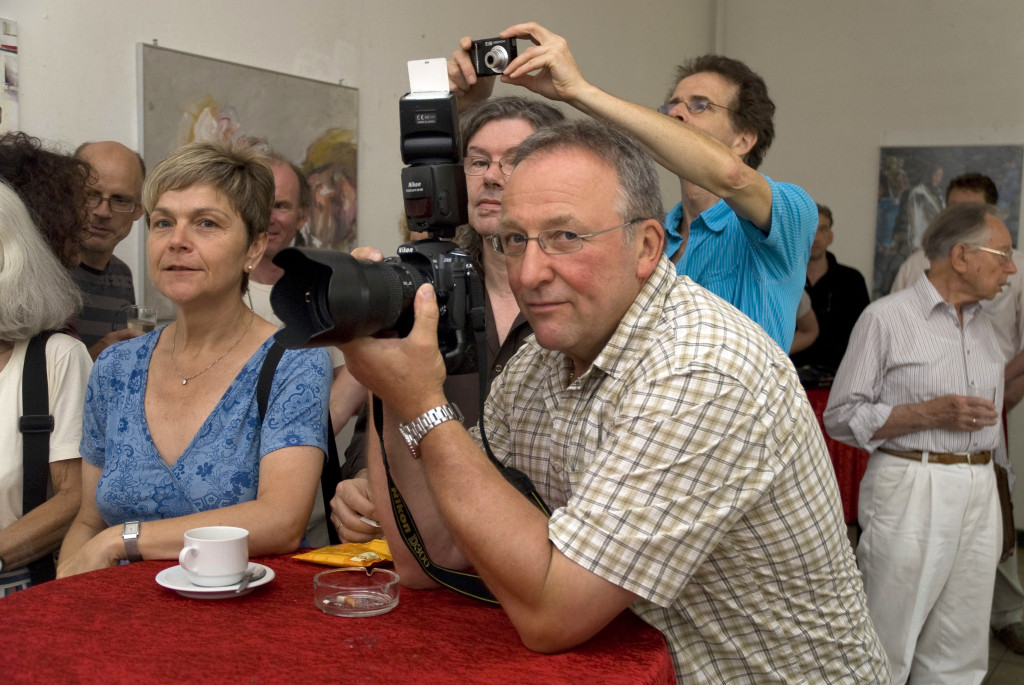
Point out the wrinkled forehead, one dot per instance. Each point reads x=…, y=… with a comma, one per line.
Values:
x=998, y=233
x=707, y=84
x=558, y=186
x=113, y=165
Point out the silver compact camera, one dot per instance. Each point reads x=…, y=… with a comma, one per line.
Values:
x=491, y=55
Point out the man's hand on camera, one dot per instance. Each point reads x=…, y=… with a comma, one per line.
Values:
x=557, y=78
x=370, y=254
x=462, y=79
x=406, y=373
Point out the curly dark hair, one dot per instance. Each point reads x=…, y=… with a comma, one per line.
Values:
x=52, y=186
x=753, y=108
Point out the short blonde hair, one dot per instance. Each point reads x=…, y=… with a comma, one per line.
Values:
x=236, y=170
x=38, y=293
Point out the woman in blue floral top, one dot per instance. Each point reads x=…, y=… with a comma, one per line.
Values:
x=171, y=433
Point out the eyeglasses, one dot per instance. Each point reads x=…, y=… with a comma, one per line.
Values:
x=478, y=166
x=116, y=203
x=1004, y=255
x=694, y=105
x=552, y=241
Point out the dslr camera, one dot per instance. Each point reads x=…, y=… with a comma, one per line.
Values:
x=491, y=55
x=326, y=297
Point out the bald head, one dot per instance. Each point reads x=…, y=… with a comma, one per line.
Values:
x=115, y=185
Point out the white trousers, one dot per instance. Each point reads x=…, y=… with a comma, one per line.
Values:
x=1008, y=596
x=928, y=552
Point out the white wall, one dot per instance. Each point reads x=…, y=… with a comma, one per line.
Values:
x=78, y=65
x=849, y=77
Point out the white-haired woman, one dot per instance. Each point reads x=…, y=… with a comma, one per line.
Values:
x=36, y=294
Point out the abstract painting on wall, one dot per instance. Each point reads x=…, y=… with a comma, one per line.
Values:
x=912, y=183
x=186, y=97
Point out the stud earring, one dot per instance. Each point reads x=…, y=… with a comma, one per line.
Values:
x=249, y=268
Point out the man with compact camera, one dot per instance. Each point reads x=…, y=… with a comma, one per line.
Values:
x=736, y=232
x=686, y=473
x=491, y=132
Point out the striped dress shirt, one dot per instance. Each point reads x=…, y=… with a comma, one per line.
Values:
x=910, y=347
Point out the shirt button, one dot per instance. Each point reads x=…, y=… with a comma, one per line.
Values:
x=497, y=368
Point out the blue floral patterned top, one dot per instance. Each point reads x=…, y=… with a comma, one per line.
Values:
x=220, y=467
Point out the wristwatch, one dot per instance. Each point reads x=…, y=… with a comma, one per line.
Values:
x=130, y=535
x=1, y=564
x=415, y=430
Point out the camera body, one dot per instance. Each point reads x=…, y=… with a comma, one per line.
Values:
x=490, y=56
x=327, y=297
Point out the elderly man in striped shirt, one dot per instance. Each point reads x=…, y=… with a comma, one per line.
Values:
x=920, y=388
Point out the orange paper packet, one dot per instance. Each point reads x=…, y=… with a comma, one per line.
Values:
x=370, y=553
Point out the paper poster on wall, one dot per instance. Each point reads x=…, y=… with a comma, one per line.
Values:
x=187, y=97
x=9, y=64
x=912, y=183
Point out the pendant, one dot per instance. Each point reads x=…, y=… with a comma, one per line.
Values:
x=184, y=381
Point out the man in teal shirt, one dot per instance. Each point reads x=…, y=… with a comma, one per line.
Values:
x=736, y=232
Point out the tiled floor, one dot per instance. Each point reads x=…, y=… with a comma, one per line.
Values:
x=1005, y=667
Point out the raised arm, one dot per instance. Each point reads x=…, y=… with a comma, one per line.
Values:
x=685, y=150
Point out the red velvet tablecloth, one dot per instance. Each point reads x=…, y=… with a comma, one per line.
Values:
x=848, y=462
x=118, y=625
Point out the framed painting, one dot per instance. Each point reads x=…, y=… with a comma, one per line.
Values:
x=9, y=65
x=912, y=183
x=186, y=97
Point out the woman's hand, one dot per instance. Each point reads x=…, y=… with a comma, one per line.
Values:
x=352, y=508
x=104, y=550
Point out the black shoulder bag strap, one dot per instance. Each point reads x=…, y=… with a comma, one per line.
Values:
x=330, y=476
x=36, y=424
x=464, y=583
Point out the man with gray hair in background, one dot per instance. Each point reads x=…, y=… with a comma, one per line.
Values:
x=921, y=389
x=1007, y=312
x=670, y=436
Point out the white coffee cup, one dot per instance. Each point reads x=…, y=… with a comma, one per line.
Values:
x=215, y=556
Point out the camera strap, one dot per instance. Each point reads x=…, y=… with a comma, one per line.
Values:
x=468, y=584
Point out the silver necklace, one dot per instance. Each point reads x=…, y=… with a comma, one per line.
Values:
x=174, y=341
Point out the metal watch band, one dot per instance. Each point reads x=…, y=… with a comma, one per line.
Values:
x=130, y=535
x=415, y=430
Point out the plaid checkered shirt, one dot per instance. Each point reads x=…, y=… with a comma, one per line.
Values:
x=687, y=467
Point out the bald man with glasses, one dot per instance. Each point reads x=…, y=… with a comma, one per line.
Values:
x=114, y=204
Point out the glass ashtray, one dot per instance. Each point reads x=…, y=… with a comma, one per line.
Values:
x=356, y=592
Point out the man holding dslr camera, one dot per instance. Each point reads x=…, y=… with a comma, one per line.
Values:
x=491, y=132
x=687, y=473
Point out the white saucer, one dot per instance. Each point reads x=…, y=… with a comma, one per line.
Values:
x=174, y=578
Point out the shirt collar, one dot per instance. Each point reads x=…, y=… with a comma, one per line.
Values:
x=623, y=347
x=931, y=301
